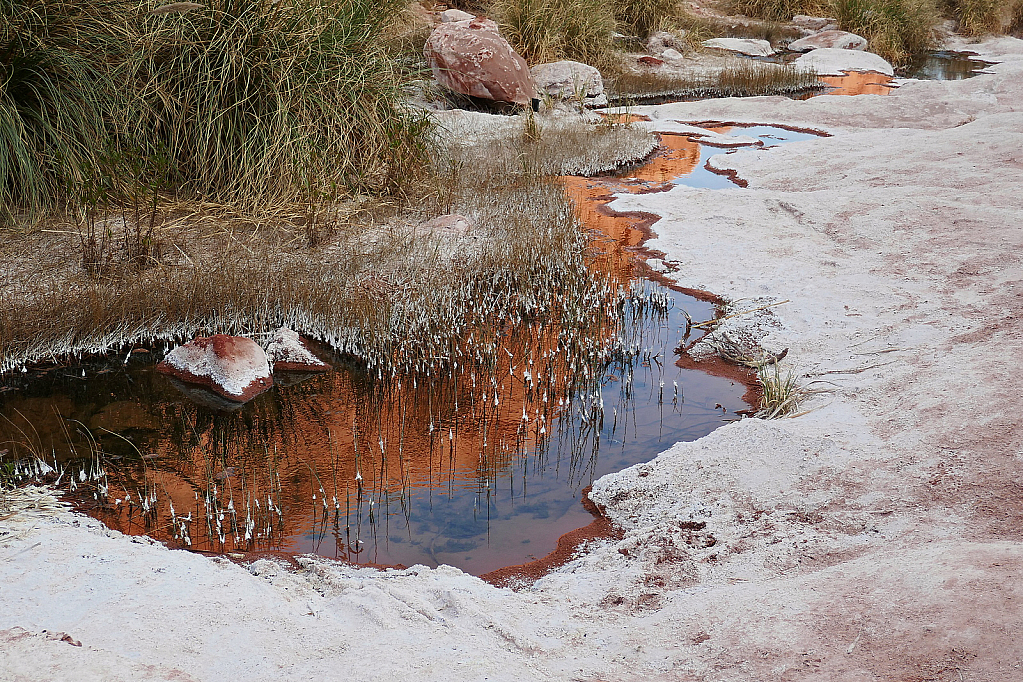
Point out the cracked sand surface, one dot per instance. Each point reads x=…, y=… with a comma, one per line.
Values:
x=877, y=537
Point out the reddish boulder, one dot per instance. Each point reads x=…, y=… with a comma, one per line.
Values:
x=231, y=366
x=288, y=351
x=471, y=57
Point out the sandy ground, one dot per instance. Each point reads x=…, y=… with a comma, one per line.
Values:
x=876, y=537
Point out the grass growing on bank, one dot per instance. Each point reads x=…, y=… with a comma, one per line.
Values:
x=781, y=392
x=980, y=17
x=582, y=30
x=243, y=102
x=375, y=288
x=744, y=78
x=53, y=102
x=255, y=101
x=895, y=29
x=781, y=10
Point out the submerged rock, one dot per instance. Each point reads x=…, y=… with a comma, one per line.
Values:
x=471, y=58
x=754, y=48
x=287, y=351
x=828, y=61
x=233, y=367
x=839, y=40
x=570, y=80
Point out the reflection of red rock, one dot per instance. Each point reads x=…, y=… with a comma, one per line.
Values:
x=472, y=58
x=858, y=83
x=231, y=366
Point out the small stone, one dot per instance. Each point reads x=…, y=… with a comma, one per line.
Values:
x=650, y=61
x=672, y=55
x=659, y=41
x=839, y=40
x=451, y=15
x=450, y=224
x=812, y=23
x=748, y=46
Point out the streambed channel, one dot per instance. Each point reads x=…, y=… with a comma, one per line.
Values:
x=416, y=470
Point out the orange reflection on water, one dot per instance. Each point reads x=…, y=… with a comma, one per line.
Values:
x=676, y=157
x=858, y=83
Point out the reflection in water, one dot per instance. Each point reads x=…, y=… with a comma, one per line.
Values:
x=480, y=466
x=857, y=83
x=945, y=65
x=479, y=469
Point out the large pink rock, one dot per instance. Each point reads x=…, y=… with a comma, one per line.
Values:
x=231, y=366
x=472, y=58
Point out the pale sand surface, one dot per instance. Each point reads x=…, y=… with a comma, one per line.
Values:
x=875, y=538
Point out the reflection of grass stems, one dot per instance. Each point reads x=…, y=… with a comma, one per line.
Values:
x=744, y=78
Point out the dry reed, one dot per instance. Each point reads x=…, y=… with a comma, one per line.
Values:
x=743, y=78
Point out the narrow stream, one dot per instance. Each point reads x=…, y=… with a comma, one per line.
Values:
x=479, y=472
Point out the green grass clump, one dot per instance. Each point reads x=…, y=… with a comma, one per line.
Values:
x=894, y=29
x=780, y=10
x=640, y=18
x=583, y=30
x=242, y=102
x=53, y=100
x=257, y=101
x=781, y=392
x=981, y=17
x=549, y=30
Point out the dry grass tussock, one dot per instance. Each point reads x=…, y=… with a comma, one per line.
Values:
x=980, y=17
x=743, y=78
x=896, y=29
x=590, y=31
x=372, y=286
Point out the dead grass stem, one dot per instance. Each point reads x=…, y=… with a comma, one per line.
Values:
x=744, y=78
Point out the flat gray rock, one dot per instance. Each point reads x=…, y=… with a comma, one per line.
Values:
x=839, y=40
x=828, y=61
x=813, y=23
x=754, y=48
x=570, y=80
